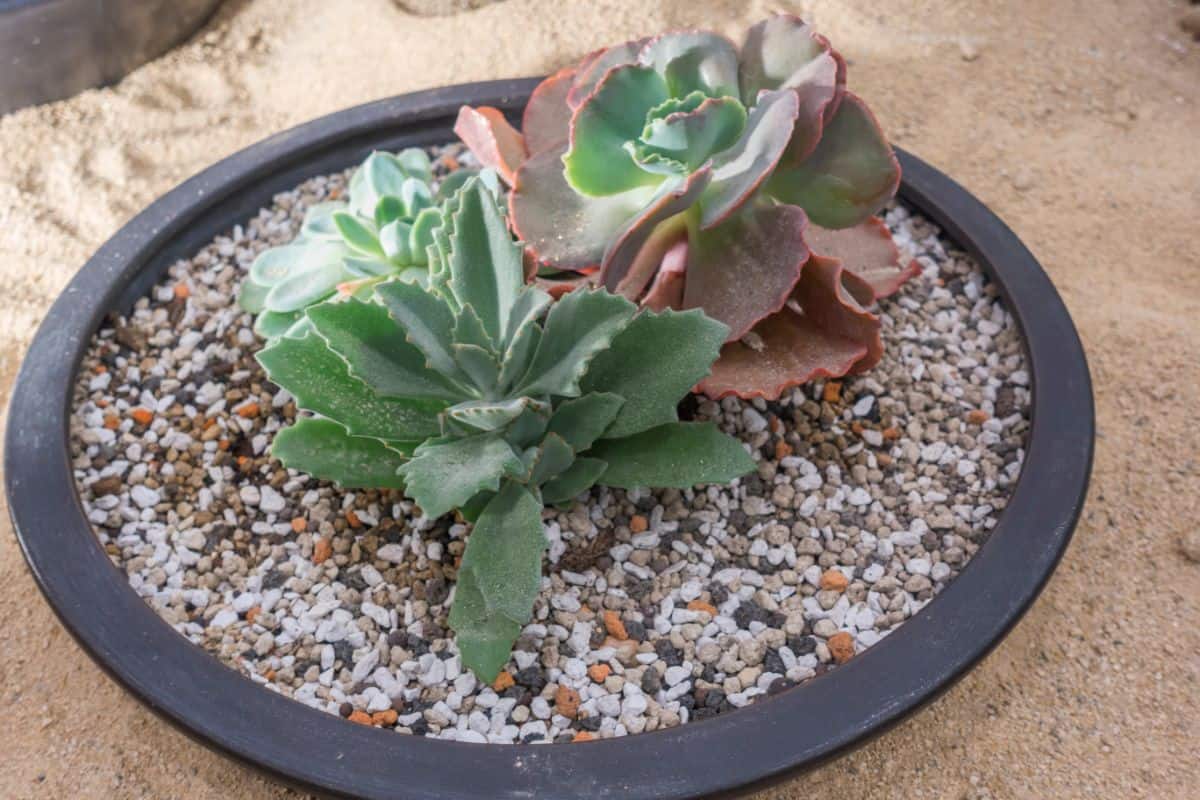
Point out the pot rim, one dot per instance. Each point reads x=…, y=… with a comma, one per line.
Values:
x=321, y=753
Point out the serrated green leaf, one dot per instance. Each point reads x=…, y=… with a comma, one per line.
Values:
x=325, y=450
x=420, y=236
x=427, y=322
x=527, y=307
x=528, y=428
x=320, y=381
x=378, y=354
x=520, y=353
x=580, y=325
x=486, y=267
x=678, y=454
x=499, y=579
x=553, y=458
x=585, y=419
x=479, y=365
x=358, y=234
x=653, y=364
x=443, y=475
x=482, y=415
x=578, y=478
x=468, y=329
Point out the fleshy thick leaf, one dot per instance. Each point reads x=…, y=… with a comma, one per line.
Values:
x=273, y=324
x=579, y=477
x=694, y=61
x=374, y=347
x=479, y=364
x=564, y=228
x=578, y=327
x=553, y=458
x=498, y=580
x=358, y=234
x=653, y=364
x=427, y=321
x=301, y=289
x=486, y=270
x=484, y=415
x=690, y=136
x=252, y=296
x=667, y=289
x=783, y=52
x=323, y=449
x=597, y=163
x=495, y=142
x=443, y=475
x=867, y=251
x=739, y=171
x=585, y=419
x=677, y=454
x=318, y=221
x=833, y=336
x=849, y=176
x=547, y=118
x=321, y=382
x=745, y=268
x=596, y=65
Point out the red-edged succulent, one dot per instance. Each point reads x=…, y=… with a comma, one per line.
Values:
x=683, y=173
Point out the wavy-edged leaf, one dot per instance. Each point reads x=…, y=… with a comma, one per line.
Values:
x=694, y=61
x=320, y=381
x=553, y=458
x=468, y=329
x=596, y=161
x=595, y=66
x=495, y=142
x=673, y=197
x=378, y=354
x=850, y=175
x=547, y=118
x=519, y=355
x=578, y=327
x=324, y=450
x=830, y=336
x=272, y=324
x=740, y=170
x=498, y=580
x=653, y=364
x=528, y=306
x=578, y=478
x=867, y=251
x=479, y=364
x=564, y=228
x=784, y=52
x=745, y=268
x=677, y=454
x=301, y=289
x=691, y=130
x=484, y=415
x=427, y=321
x=486, y=268
x=585, y=419
x=442, y=475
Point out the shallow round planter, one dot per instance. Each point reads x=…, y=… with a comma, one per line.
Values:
x=321, y=753
x=51, y=49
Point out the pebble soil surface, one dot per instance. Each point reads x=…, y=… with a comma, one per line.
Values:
x=657, y=607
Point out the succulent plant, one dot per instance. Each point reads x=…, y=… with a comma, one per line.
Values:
x=382, y=231
x=682, y=173
x=473, y=391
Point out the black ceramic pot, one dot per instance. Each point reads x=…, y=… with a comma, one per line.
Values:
x=50, y=49
x=326, y=755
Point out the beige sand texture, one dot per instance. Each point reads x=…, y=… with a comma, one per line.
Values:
x=1076, y=120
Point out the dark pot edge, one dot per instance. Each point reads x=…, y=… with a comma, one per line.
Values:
x=318, y=752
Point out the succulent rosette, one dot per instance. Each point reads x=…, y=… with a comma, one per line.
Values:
x=683, y=173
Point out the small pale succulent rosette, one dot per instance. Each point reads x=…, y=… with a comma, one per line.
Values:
x=682, y=173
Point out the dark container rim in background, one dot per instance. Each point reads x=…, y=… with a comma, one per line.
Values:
x=51, y=49
x=322, y=753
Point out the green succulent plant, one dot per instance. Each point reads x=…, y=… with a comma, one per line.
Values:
x=473, y=391
x=683, y=173
x=382, y=231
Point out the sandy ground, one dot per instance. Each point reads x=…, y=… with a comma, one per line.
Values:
x=1076, y=120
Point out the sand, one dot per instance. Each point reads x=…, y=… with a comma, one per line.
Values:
x=1076, y=120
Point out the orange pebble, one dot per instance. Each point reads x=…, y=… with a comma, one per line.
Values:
x=833, y=392
x=182, y=291
x=834, y=580
x=566, y=702
x=977, y=417
x=700, y=605
x=142, y=416
x=638, y=523
x=322, y=550
x=361, y=717
x=353, y=519
x=599, y=672
x=503, y=681
x=111, y=422
x=253, y=613
x=583, y=736
x=386, y=717
x=248, y=410
x=299, y=525
x=614, y=625
x=782, y=450
x=841, y=647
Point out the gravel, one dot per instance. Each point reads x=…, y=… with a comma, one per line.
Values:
x=657, y=608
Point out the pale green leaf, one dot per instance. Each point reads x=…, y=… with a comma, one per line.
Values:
x=360, y=235
x=653, y=364
x=553, y=458
x=427, y=322
x=479, y=365
x=443, y=475
x=325, y=450
x=585, y=419
x=678, y=454
x=483, y=415
x=486, y=268
x=578, y=478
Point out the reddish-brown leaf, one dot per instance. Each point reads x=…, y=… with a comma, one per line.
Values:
x=866, y=250
x=547, y=118
x=495, y=142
